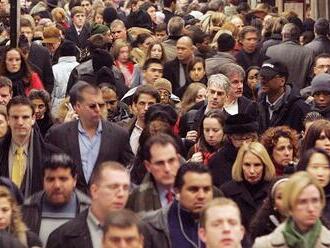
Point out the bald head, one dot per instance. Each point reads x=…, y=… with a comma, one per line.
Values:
x=185, y=50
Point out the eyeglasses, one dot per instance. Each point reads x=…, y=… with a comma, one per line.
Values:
x=95, y=105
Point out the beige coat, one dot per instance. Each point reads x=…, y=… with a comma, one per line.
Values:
x=276, y=239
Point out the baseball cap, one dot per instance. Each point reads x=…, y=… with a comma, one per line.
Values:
x=271, y=67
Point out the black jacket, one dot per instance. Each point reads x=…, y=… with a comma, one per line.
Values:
x=73, y=234
x=172, y=73
x=291, y=113
x=79, y=40
x=32, y=209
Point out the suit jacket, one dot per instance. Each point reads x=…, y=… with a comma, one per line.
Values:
x=41, y=151
x=40, y=58
x=73, y=234
x=172, y=73
x=114, y=146
x=79, y=40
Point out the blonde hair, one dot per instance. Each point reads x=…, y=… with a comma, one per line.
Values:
x=189, y=96
x=58, y=14
x=117, y=45
x=16, y=227
x=293, y=188
x=258, y=150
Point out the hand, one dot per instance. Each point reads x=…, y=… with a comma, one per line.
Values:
x=197, y=157
x=192, y=136
x=71, y=115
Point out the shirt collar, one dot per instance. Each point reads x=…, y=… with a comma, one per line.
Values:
x=93, y=220
x=277, y=103
x=83, y=131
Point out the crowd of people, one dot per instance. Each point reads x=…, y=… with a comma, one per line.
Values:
x=173, y=123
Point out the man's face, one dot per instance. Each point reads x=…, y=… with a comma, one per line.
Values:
x=141, y=106
x=249, y=42
x=20, y=121
x=52, y=47
x=184, y=51
x=223, y=227
x=111, y=192
x=322, y=65
x=59, y=185
x=196, y=191
x=236, y=86
x=79, y=20
x=271, y=86
x=39, y=108
x=119, y=32
x=87, y=5
x=322, y=99
x=163, y=164
x=117, y=237
x=204, y=46
x=215, y=97
x=152, y=73
x=307, y=208
x=161, y=36
x=28, y=32
x=5, y=95
x=110, y=98
x=91, y=107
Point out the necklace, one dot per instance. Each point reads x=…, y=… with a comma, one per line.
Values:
x=184, y=233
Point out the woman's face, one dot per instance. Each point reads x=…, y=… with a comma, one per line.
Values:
x=197, y=72
x=278, y=204
x=156, y=52
x=252, y=79
x=39, y=108
x=323, y=142
x=252, y=168
x=3, y=125
x=282, y=152
x=5, y=213
x=319, y=167
x=201, y=95
x=147, y=43
x=98, y=19
x=13, y=61
x=213, y=131
x=123, y=56
x=152, y=13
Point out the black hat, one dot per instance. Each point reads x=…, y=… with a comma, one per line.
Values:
x=109, y=15
x=164, y=111
x=271, y=67
x=67, y=48
x=240, y=123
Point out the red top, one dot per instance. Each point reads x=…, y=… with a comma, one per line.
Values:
x=35, y=83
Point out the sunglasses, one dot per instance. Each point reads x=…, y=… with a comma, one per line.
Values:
x=95, y=105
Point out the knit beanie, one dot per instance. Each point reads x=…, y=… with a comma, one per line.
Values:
x=163, y=83
x=67, y=48
x=321, y=82
x=99, y=29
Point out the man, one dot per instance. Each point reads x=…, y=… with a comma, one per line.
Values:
x=279, y=104
x=52, y=40
x=162, y=163
x=80, y=31
x=109, y=189
x=321, y=43
x=6, y=90
x=169, y=9
x=239, y=129
x=298, y=59
x=164, y=88
x=175, y=28
x=175, y=70
x=177, y=226
x=226, y=44
x=143, y=98
x=249, y=54
x=160, y=32
x=38, y=56
x=221, y=224
x=152, y=69
x=201, y=42
x=216, y=94
x=236, y=102
x=59, y=201
x=23, y=150
x=90, y=140
x=118, y=30
x=122, y=229
x=320, y=87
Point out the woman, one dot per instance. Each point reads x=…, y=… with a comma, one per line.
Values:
x=252, y=172
x=195, y=93
x=318, y=135
x=282, y=145
x=11, y=220
x=98, y=15
x=252, y=84
x=120, y=51
x=211, y=136
x=303, y=201
x=316, y=161
x=271, y=214
x=15, y=67
x=140, y=47
x=41, y=102
x=3, y=121
x=156, y=50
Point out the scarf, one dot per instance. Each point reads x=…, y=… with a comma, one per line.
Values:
x=19, y=83
x=295, y=239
